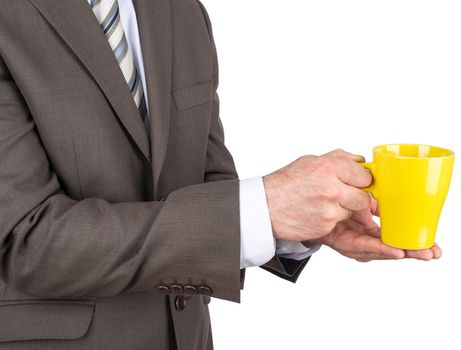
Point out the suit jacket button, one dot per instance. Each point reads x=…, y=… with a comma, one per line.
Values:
x=190, y=289
x=180, y=302
x=205, y=290
x=176, y=289
x=162, y=289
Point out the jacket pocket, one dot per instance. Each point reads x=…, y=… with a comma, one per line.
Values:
x=194, y=95
x=44, y=319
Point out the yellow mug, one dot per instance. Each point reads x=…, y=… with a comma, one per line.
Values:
x=410, y=183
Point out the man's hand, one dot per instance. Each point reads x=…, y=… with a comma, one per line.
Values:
x=359, y=238
x=309, y=197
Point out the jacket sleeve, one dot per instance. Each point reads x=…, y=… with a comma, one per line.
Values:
x=220, y=165
x=53, y=246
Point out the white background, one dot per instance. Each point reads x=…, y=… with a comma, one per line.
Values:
x=305, y=77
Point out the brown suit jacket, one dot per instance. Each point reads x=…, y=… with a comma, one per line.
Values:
x=113, y=236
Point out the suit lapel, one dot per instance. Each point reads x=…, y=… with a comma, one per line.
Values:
x=155, y=30
x=76, y=24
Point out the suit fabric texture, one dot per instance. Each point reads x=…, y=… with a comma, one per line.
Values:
x=113, y=236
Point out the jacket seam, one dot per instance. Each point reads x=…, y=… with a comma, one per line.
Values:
x=76, y=170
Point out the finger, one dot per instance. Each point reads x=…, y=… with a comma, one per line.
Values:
x=364, y=246
x=366, y=257
x=373, y=247
x=339, y=153
x=423, y=254
x=436, y=251
x=353, y=198
x=374, y=205
x=375, y=232
x=352, y=173
x=374, y=257
x=362, y=221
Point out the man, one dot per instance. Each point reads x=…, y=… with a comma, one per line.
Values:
x=121, y=211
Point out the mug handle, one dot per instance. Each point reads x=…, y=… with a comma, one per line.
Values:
x=372, y=188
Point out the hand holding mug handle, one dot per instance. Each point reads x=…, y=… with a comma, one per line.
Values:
x=372, y=188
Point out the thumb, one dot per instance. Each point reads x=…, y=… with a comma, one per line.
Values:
x=339, y=153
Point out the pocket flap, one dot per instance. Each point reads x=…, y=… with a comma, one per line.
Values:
x=193, y=95
x=21, y=320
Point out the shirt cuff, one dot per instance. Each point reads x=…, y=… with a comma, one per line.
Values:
x=257, y=243
x=295, y=250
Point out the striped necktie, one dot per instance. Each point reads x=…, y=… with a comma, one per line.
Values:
x=108, y=15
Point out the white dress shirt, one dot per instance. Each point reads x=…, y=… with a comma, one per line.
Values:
x=257, y=244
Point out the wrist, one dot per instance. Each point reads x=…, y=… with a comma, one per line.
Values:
x=271, y=199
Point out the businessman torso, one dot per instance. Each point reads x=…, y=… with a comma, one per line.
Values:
x=69, y=82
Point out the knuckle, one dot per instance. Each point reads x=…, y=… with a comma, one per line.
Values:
x=326, y=165
x=304, y=161
x=329, y=193
x=316, y=161
x=329, y=215
x=336, y=152
x=305, y=158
